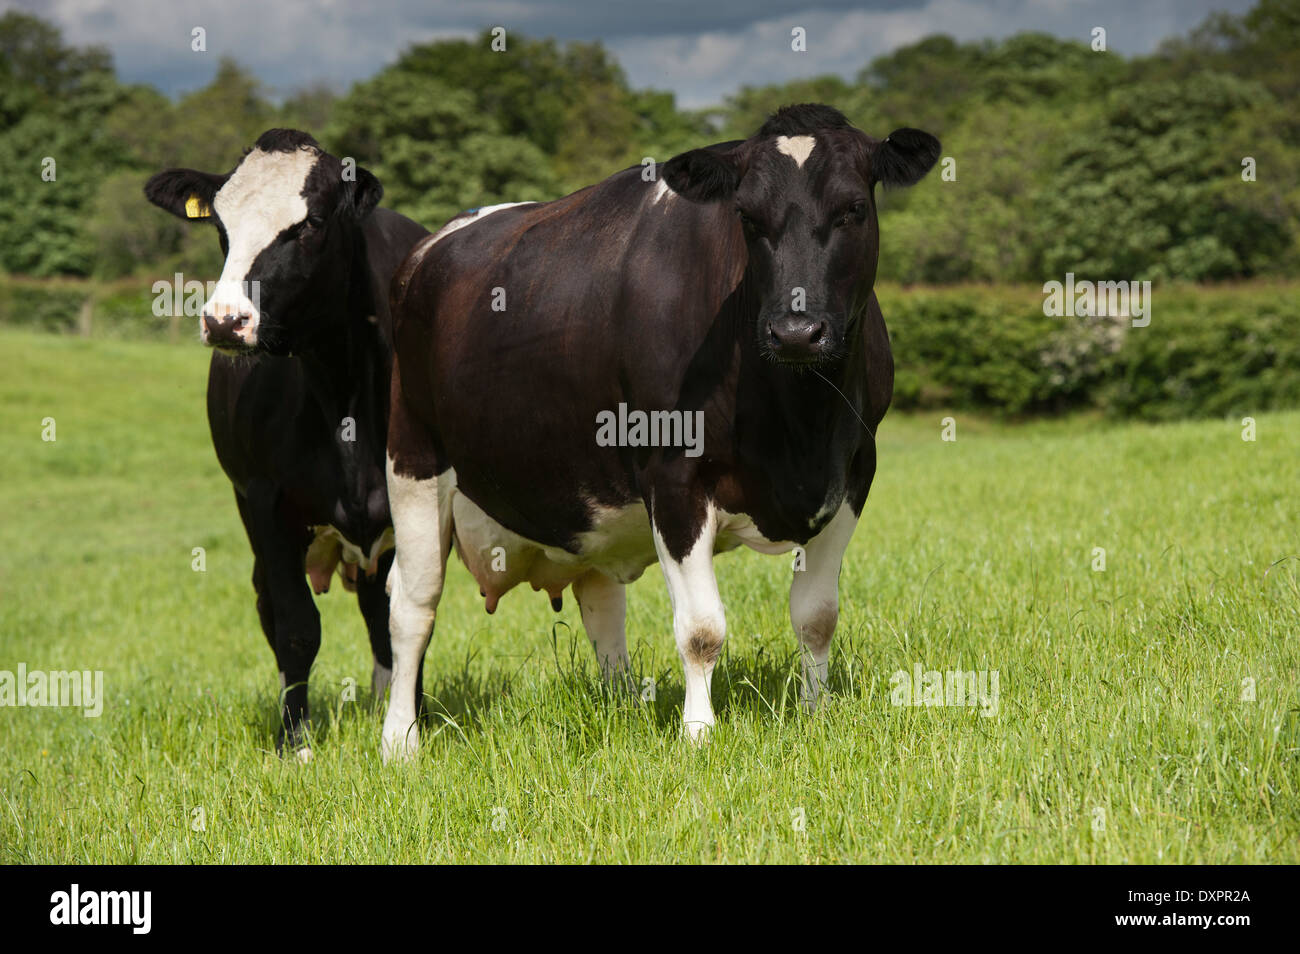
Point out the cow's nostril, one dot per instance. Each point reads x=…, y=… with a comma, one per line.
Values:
x=817, y=334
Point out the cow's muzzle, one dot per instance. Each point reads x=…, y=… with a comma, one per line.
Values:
x=798, y=339
x=229, y=330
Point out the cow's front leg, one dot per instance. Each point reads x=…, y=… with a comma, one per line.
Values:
x=684, y=544
x=603, y=604
x=422, y=527
x=814, y=600
x=281, y=549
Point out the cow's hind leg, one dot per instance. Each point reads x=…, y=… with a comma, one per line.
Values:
x=280, y=549
x=372, y=599
x=422, y=527
x=684, y=544
x=602, y=601
x=814, y=600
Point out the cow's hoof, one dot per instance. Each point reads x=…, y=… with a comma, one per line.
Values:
x=620, y=681
x=300, y=753
x=696, y=733
x=294, y=743
x=399, y=745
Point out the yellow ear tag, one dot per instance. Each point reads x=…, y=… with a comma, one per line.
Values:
x=194, y=209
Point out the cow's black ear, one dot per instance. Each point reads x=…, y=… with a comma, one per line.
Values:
x=703, y=175
x=364, y=194
x=904, y=157
x=185, y=193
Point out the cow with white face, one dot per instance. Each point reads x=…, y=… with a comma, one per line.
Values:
x=298, y=384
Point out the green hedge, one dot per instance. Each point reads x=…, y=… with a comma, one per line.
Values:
x=120, y=309
x=1208, y=351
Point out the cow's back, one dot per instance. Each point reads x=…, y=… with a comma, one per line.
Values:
x=600, y=298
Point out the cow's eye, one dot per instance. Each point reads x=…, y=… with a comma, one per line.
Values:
x=749, y=224
x=315, y=221
x=852, y=215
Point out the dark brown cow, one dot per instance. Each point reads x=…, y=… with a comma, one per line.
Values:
x=646, y=371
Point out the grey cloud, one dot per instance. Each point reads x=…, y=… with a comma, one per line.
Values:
x=701, y=51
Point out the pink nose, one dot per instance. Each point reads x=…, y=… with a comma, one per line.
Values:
x=225, y=328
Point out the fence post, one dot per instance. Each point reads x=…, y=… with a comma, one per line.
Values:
x=86, y=316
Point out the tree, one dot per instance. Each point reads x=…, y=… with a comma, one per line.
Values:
x=54, y=148
x=208, y=129
x=1143, y=195
x=433, y=149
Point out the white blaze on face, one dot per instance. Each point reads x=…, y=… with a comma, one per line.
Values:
x=257, y=203
x=798, y=148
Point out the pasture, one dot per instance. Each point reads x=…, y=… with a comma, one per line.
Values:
x=1146, y=713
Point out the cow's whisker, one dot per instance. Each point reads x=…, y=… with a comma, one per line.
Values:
x=847, y=402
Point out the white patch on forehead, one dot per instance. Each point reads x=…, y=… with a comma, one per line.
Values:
x=259, y=201
x=798, y=148
x=262, y=199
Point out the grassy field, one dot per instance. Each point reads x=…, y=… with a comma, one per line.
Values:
x=1125, y=730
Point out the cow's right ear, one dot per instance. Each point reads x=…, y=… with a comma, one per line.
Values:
x=185, y=193
x=703, y=175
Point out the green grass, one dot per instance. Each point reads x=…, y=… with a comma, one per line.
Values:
x=1120, y=691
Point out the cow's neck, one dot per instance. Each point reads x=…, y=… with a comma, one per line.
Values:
x=812, y=405
x=342, y=363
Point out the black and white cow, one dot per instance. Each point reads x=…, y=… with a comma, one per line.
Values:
x=730, y=302
x=298, y=384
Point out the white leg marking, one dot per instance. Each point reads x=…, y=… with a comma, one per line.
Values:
x=699, y=622
x=422, y=526
x=603, y=603
x=814, y=600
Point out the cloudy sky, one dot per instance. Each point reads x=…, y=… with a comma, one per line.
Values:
x=700, y=49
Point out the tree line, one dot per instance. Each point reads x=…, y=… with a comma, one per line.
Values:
x=1059, y=157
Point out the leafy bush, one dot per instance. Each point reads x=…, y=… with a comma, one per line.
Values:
x=122, y=309
x=1208, y=351
x=43, y=306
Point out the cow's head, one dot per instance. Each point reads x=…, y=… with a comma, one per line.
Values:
x=803, y=189
x=286, y=217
